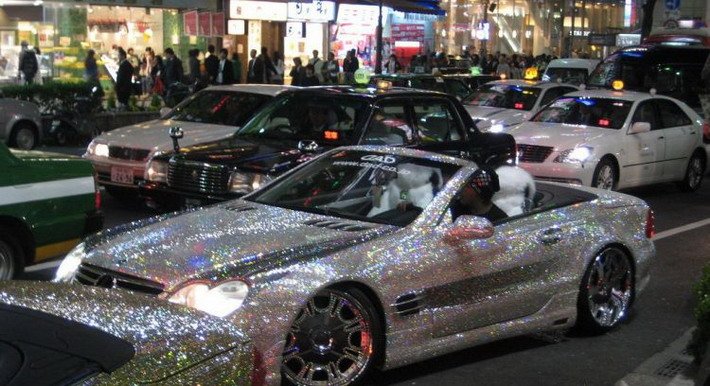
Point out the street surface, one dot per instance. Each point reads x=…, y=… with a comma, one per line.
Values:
x=658, y=317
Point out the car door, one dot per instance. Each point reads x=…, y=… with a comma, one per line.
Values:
x=389, y=124
x=642, y=152
x=680, y=137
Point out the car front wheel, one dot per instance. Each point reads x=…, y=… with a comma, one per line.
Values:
x=24, y=136
x=693, y=174
x=334, y=340
x=605, y=175
x=10, y=256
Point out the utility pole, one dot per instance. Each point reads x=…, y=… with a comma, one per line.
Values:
x=378, y=48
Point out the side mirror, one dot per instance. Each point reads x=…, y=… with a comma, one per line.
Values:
x=640, y=127
x=308, y=146
x=470, y=228
x=164, y=111
x=176, y=133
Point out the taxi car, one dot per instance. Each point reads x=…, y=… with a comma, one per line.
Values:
x=20, y=123
x=48, y=202
x=499, y=105
x=300, y=123
x=121, y=156
x=614, y=139
x=355, y=261
x=452, y=85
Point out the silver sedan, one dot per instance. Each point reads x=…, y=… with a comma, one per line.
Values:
x=359, y=260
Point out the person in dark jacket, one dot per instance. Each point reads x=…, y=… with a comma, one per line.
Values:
x=194, y=65
x=310, y=78
x=225, y=73
x=237, y=66
x=298, y=73
x=124, y=78
x=172, y=68
x=91, y=70
x=251, y=67
x=211, y=64
x=28, y=64
x=264, y=68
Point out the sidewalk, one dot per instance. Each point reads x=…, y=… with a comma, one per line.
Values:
x=672, y=366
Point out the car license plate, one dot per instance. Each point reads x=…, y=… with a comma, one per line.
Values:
x=122, y=175
x=192, y=203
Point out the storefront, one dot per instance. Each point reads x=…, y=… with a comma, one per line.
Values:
x=356, y=28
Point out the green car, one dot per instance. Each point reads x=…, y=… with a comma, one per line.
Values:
x=48, y=202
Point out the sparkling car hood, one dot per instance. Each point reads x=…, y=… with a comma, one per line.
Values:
x=557, y=135
x=488, y=116
x=167, y=338
x=232, y=239
x=153, y=135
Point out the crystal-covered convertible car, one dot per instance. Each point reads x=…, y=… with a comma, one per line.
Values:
x=353, y=261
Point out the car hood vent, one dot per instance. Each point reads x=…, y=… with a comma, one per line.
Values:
x=409, y=304
x=239, y=207
x=337, y=225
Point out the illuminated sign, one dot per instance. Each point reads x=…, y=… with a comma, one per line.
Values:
x=361, y=14
x=295, y=29
x=236, y=27
x=317, y=11
x=258, y=10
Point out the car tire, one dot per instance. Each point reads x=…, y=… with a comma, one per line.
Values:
x=24, y=136
x=606, y=292
x=693, y=174
x=605, y=175
x=357, y=330
x=11, y=255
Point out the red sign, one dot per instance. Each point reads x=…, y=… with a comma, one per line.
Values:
x=410, y=32
x=204, y=23
x=218, y=24
x=189, y=22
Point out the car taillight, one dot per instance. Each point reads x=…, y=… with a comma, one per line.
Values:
x=97, y=199
x=706, y=132
x=650, y=224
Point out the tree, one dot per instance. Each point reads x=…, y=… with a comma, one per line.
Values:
x=647, y=21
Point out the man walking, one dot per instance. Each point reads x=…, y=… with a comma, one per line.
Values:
x=28, y=65
x=211, y=64
x=264, y=67
x=124, y=79
x=251, y=74
x=318, y=64
x=173, y=71
x=225, y=73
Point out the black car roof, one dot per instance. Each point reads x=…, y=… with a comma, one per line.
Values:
x=366, y=92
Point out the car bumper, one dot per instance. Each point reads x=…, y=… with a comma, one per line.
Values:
x=94, y=222
x=160, y=194
x=578, y=174
x=104, y=168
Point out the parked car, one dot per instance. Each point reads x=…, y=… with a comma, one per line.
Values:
x=574, y=71
x=474, y=81
x=500, y=105
x=48, y=202
x=299, y=123
x=614, y=140
x=121, y=156
x=56, y=334
x=355, y=261
x=447, y=84
x=20, y=123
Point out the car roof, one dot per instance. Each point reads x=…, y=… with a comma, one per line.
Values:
x=263, y=89
x=408, y=152
x=529, y=83
x=573, y=63
x=621, y=95
x=367, y=91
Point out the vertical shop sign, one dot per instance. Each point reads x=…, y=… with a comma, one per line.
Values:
x=189, y=22
x=204, y=23
x=217, y=23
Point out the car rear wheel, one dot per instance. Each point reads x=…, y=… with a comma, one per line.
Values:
x=334, y=340
x=693, y=174
x=11, y=256
x=607, y=292
x=24, y=136
x=605, y=175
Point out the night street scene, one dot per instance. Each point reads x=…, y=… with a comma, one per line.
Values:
x=360, y=192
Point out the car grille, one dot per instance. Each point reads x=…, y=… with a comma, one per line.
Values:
x=198, y=177
x=100, y=277
x=533, y=154
x=128, y=153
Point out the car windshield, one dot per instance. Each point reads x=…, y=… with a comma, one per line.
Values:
x=218, y=107
x=566, y=75
x=599, y=112
x=504, y=96
x=360, y=185
x=299, y=116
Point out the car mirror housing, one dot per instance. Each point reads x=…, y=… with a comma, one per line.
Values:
x=470, y=228
x=640, y=127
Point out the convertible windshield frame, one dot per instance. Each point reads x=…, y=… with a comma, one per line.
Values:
x=505, y=96
x=605, y=113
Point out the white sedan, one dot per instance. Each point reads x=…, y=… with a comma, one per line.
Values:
x=499, y=105
x=121, y=157
x=614, y=139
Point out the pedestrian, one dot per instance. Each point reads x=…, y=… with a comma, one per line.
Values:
x=38, y=74
x=28, y=65
x=91, y=70
x=298, y=73
x=211, y=64
x=350, y=65
x=318, y=67
x=134, y=61
x=225, y=73
x=124, y=79
x=279, y=65
x=172, y=71
x=193, y=64
x=705, y=93
x=310, y=78
x=236, y=68
x=251, y=67
x=156, y=74
x=332, y=68
x=392, y=65
x=503, y=69
x=264, y=68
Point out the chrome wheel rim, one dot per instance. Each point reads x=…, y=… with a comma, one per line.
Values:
x=695, y=172
x=605, y=177
x=25, y=138
x=610, y=287
x=7, y=263
x=330, y=342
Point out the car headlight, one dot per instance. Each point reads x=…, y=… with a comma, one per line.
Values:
x=577, y=155
x=497, y=128
x=97, y=149
x=244, y=183
x=219, y=300
x=157, y=171
x=67, y=269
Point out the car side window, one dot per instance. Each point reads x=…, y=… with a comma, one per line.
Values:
x=645, y=112
x=436, y=121
x=389, y=125
x=456, y=88
x=671, y=114
x=550, y=95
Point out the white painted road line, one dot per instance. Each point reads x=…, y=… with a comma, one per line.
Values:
x=41, y=266
x=681, y=229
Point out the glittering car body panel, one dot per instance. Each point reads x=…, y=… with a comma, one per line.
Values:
x=461, y=292
x=170, y=342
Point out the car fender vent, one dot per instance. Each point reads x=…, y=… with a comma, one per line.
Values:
x=337, y=225
x=240, y=207
x=409, y=304
x=100, y=277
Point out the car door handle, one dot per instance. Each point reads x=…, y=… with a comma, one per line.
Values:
x=550, y=236
x=661, y=137
x=692, y=133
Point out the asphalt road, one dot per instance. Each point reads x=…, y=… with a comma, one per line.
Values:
x=660, y=316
